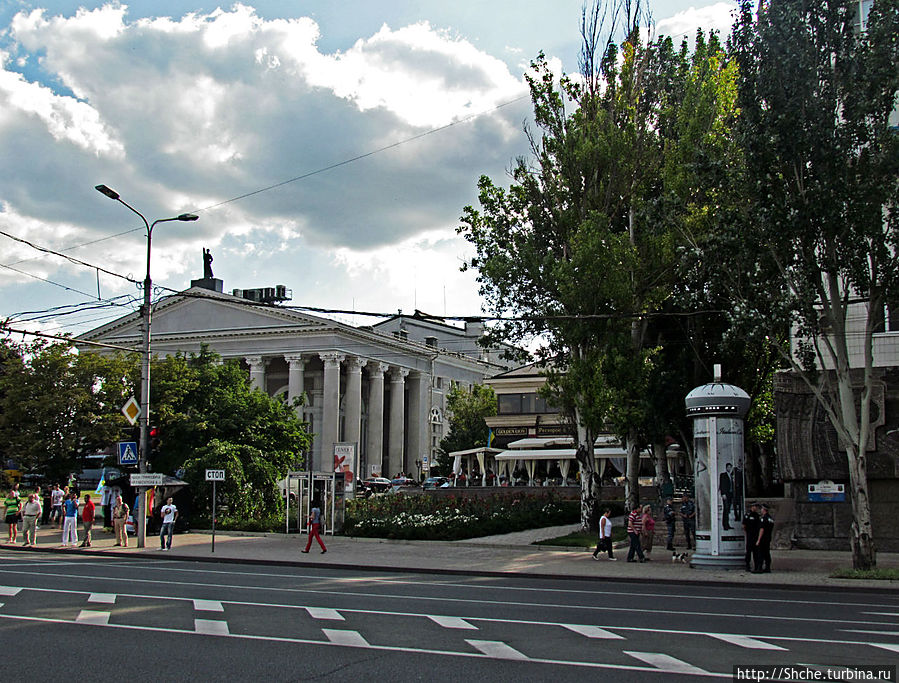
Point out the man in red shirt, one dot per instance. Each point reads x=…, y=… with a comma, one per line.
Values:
x=634, y=527
x=87, y=519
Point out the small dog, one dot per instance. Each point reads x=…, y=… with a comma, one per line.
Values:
x=679, y=557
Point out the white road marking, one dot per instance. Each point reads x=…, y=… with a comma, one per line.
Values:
x=666, y=662
x=887, y=646
x=746, y=641
x=592, y=631
x=106, y=598
x=338, y=637
x=383, y=648
x=211, y=627
x=685, y=632
x=451, y=622
x=496, y=649
x=163, y=565
x=208, y=606
x=9, y=590
x=324, y=613
x=480, y=602
x=92, y=617
x=880, y=633
x=883, y=614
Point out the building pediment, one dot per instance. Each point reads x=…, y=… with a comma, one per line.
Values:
x=198, y=311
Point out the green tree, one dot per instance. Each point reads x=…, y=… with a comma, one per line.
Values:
x=820, y=231
x=583, y=246
x=208, y=415
x=466, y=411
x=57, y=405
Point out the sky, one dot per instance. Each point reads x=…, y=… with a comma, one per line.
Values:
x=326, y=146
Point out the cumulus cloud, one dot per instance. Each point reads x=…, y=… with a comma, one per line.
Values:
x=718, y=17
x=200, y=112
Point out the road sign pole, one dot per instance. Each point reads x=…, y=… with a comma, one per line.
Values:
x=213, y=515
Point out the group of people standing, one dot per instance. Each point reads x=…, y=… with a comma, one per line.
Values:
x=65, y=508
x=759, y=527
x=640, y=530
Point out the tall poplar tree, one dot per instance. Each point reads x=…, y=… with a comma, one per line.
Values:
x=821, y=230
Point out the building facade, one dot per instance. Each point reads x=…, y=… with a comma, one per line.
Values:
x=362, y=385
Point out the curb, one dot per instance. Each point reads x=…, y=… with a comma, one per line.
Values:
x=454, y=572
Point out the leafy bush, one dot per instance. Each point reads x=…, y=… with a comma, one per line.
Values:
x=264, y=523
x=451, y=518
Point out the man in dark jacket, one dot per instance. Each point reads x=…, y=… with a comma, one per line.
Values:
x=763, y=544
x=751, y=523
x=670, y=521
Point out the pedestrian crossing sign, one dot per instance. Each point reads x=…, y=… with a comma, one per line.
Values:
x=127, y=453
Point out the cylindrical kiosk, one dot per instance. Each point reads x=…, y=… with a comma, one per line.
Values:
x=718, y=410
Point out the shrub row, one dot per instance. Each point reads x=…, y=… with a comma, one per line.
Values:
x=453, y=518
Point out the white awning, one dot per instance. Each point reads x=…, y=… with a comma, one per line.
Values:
x=542, y=442
x=475, y=451
x=537, y=454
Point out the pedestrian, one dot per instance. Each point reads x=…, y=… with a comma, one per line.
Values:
x=31, y=515
x=763, y=542
x=70, y=521
x=670, y=521
x=605, y=536
x=56, y=497
x=751, y=522
x=649, y=529
x=169, y=514
x=315, y=525
x=688, y=519
x=634, y=528
x=119, y=517
x=11, y=514
x=87, y=520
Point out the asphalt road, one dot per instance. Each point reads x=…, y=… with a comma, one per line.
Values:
x=175, y=620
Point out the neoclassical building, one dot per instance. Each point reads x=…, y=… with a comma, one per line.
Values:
x=378, y=389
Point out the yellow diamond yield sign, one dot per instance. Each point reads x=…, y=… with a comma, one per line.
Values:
x=131, y=410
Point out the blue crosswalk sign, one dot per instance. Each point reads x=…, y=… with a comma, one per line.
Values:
x=127, y=453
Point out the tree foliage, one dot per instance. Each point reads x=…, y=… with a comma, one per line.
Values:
x=821, y=229
x=466, y=410
x=584, y=246
x=57, y=406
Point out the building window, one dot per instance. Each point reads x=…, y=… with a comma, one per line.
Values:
x=522, y=404
x=436, y=418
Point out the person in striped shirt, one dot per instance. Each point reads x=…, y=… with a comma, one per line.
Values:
x=634, y=528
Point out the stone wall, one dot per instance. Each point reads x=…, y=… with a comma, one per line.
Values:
x=808, y=452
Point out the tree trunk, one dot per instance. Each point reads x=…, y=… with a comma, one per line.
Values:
x=590, y=484
x=632, y=478
x=660, y=460
x=861, y=534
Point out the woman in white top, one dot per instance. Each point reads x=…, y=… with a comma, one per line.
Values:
x=605, y=535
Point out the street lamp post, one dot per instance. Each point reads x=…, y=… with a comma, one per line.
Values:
x=144, y=417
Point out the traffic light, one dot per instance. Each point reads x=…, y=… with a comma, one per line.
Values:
x=154, y=441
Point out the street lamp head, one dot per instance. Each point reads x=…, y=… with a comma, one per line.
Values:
x=112, y=194
x=188, y=217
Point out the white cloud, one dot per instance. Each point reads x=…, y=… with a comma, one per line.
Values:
x=718, y=17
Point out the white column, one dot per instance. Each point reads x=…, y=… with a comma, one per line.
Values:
x=330, y=408
x=418, y=419
x=374, y=450
x=396, y=447
x=257, y=371
x=295, y=378
x=352, y=425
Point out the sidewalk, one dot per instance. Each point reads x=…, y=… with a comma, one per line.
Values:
x=505, y=554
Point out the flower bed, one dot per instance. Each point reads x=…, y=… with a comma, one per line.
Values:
x=452, y=518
